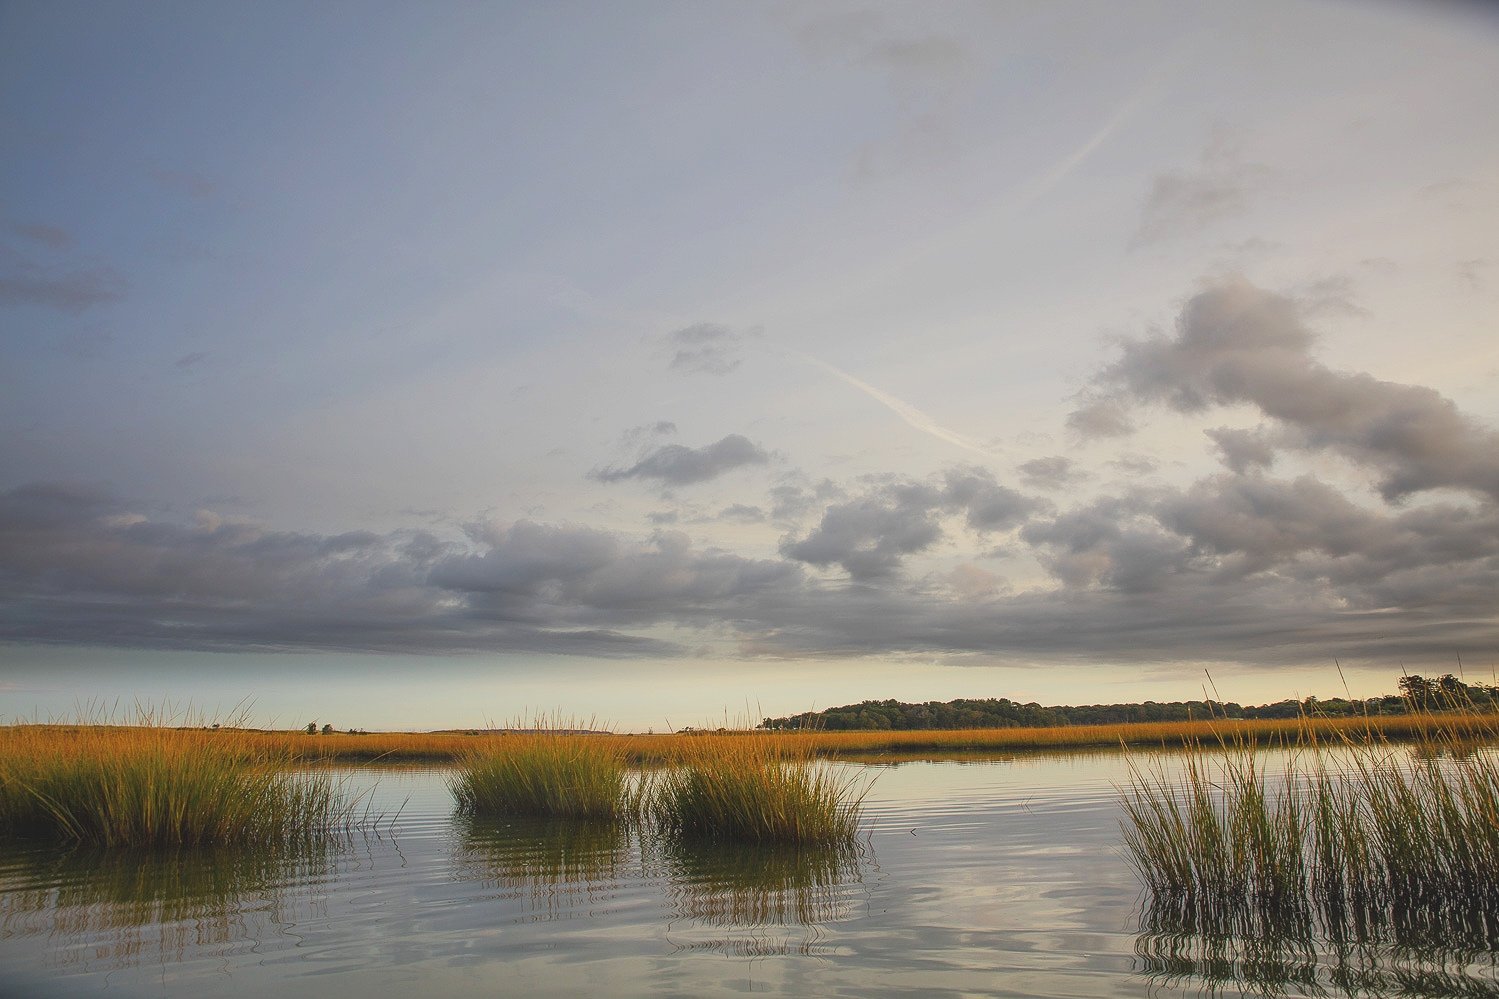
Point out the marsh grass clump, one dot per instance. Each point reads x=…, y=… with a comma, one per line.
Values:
x=1352, y=835
x=149, y=785
x=761, y=790
x=545, y=773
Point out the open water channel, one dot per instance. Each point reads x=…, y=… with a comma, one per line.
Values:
x=987, y=877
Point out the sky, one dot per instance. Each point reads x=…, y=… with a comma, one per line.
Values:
x=413, y=366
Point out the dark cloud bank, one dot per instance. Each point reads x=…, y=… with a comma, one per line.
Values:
x=1239, y=566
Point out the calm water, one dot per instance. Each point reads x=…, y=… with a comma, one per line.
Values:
x=999, y=877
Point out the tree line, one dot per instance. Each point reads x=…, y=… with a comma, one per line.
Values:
x=1416, y=693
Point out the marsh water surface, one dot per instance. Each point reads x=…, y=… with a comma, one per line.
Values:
x=985, y=877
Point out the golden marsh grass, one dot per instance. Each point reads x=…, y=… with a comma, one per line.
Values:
x=640, y=749
x=550, y=774
x=1356, y=831
x=754, y=790
x=150, y=785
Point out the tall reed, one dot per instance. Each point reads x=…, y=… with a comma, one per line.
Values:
x=149, y=785
x=554, y=774
x=1352, y=833
x=761, y=790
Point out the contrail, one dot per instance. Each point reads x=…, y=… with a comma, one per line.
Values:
x=1037, y=187
x=1051, y=178
x=913, y=417
x=1148, y=91
x=1020, y=198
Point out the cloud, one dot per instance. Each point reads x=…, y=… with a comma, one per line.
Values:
x=646, y=431
x=1100, y=417
x=1438, y=562
x=792, y=502
x=1054, y=472
x=544, y=575
x=706, y=348
x=1247, y=569
x=61, y=288
x=1153, y=615
x=679, y=465
x=743, y=513
x=1111, y=544
x=80, y=566
x=986, y=505
x=1238, y=566
x=1232, y=568
x=1243, y=450
x=1238, y=344
x=51, y=236
x=1135, y=464
x=1183, y=202
x=870, y=536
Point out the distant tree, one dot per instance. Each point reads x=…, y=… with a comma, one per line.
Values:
x=1418, y=690
x=327, y=729
x=312, y=728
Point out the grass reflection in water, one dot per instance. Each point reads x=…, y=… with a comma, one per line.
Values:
x=777, y=894
x=758, y=900
x=1434, y=952
x=761, y=884
x=122, y=908
x=554, y=864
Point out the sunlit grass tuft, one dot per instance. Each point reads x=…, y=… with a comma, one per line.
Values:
x=760, y=790
x=149, y=785
x=549, y=772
